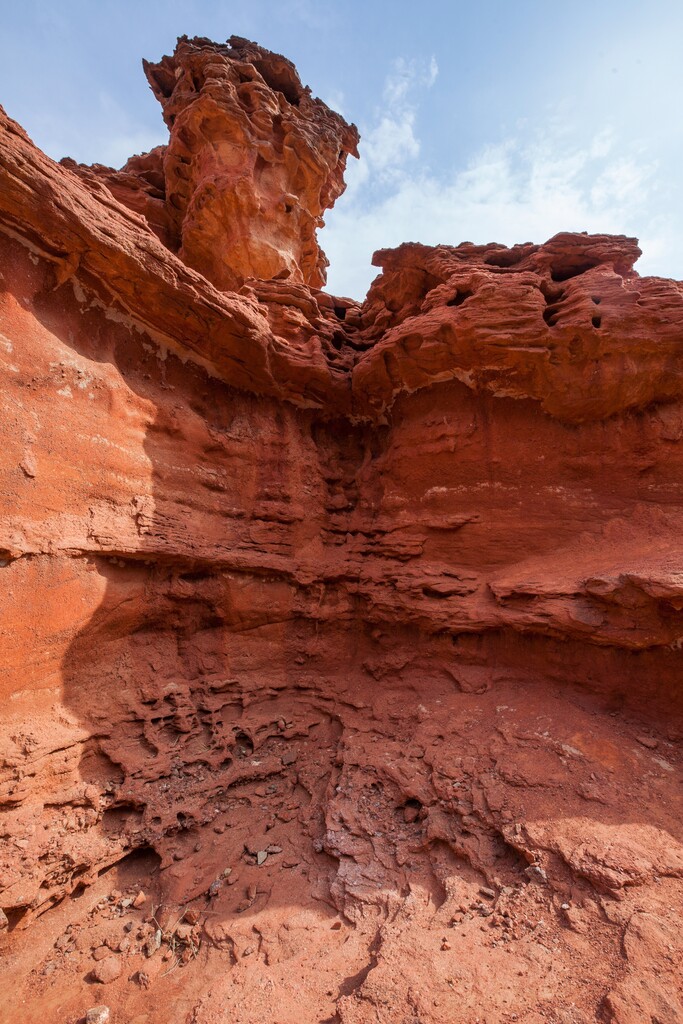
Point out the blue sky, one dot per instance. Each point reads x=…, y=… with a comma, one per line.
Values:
x=483, y=121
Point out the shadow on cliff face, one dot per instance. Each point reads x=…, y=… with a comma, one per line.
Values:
x=201, y=614
x=213, y=644
x=314, y=786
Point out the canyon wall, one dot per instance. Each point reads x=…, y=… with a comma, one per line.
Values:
x=349, y=631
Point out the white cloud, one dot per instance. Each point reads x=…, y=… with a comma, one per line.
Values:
x=389, y=142
x=406, y=76
x=520, y=189
x=619, y=182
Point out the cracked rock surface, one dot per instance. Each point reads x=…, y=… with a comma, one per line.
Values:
x=341, y=642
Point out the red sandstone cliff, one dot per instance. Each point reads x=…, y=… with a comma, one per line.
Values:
x=350, y=633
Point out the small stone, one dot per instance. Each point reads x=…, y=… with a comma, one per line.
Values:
x=336, y=925
x=281, y=724
x=100, y=952
x=118, y=945
x=410, y=814
x=126, y=903
x=565, y=906
x=445, y=945
x=128, y=926
x=248, y=951
x=648, y=741
x=242, y=906
x=4, y=922
x=97, y=1015
x=107, y=970
x=28, y=465
x=273, y=848
x=143, y=979
x=92, y=795
x=490, y=894
x=215, y=888
x=184, y=932
x=261, y=857
x=191, y=916
x=153, y=943
x=289, y=757
x=139, y=899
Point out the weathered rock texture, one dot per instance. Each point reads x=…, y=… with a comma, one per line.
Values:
x=252, y=163
x=341, y=645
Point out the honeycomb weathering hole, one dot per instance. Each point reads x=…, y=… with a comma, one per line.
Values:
x=341, y=648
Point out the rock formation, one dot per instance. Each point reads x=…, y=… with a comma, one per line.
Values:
x=341, y=644
x=252, y=163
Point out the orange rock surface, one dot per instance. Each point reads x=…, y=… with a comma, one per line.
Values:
x=252, y=163
x=341, y=643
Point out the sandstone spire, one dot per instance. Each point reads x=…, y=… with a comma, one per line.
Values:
x=253, y=161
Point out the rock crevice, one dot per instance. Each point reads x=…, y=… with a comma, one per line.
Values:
x=341, y=641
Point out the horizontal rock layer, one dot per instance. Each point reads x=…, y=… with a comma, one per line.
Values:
x=393, y=589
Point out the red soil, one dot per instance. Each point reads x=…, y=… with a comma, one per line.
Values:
x=341, y=644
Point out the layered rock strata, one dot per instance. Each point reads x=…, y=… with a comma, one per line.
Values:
x=347, y=635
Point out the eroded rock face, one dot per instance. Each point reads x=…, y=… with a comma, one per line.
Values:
x=252, y=164
x=568, y=324
x=341, y=644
